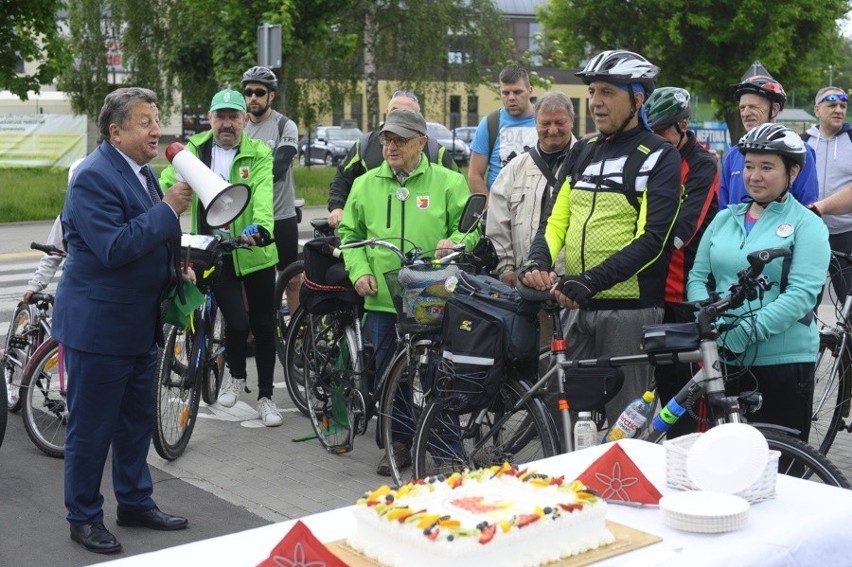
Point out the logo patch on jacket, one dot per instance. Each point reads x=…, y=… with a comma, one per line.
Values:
x=422, y=201
x=244, y=172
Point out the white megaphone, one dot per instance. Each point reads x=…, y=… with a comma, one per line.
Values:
x=222, y=201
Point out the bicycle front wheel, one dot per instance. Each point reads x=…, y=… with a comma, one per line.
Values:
x=448, y=441
x=214, y=367
x=294, y=377
x=45, y=407
x=803, y=461
x=330, y=366
x=177, y=396
x=404, y=394
x=832, y=392
x=16, y=353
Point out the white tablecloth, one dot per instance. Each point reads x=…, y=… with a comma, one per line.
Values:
x=806, y=524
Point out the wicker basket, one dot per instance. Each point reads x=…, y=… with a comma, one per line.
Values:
x=676, y=476
x=419, y=295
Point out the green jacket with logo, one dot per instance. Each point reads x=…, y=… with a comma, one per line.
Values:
x=253, y=167
x=434, y=198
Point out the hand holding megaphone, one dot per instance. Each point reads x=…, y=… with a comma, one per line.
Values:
x=223, y=201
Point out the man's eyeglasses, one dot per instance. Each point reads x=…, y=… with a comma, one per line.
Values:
x=400, y=142
x=835, y=97
x=409, y=94
x=256, y=92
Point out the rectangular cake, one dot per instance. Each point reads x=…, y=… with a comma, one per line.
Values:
x=500, y=516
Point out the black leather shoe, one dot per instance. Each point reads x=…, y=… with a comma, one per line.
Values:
x=153, y=519
x=95, y=537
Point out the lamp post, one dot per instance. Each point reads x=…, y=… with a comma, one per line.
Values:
x=831, y=75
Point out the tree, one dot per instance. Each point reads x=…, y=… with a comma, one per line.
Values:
x=30, y=34
x=85, y=80
x=705, y=45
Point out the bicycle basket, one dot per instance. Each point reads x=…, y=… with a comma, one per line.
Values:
x=420, y=294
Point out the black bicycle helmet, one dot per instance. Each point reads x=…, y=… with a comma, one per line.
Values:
x=771, y=138
x=262, y=75
x=666, y=107
x=620, y=66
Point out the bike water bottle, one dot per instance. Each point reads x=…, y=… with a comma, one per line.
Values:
x=632, y=419
x=585, y=431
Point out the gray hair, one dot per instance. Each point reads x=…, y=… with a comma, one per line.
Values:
x=514, y=73
x=118, y=106
x=554, y=100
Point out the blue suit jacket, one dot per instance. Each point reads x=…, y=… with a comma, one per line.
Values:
x=118, y=265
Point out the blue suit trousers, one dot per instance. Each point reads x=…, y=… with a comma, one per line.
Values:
x=110, y=404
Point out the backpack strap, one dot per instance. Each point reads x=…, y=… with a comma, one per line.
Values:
x=282, y=121
x=433, y=150
x=493, y=124
x=649, y=143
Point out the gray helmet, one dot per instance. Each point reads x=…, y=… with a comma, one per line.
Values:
x=262, y=75
x=620, y=66
x=771, y=138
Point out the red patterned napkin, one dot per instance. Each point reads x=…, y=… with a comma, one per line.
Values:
x=301, y=547
x=616, y=477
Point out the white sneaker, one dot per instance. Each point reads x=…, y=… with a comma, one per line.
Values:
x=230, y=392
x=269, y=414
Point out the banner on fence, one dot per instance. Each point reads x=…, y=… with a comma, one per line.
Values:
x=35, y=140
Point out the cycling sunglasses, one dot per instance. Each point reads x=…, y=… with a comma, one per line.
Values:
x=256, y=92
x=409, y=94
x=835, y=97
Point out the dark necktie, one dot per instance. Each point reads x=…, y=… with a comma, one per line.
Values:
x=149, y=181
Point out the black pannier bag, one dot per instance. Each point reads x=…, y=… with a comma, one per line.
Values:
x=487, y=330
x=325, y=286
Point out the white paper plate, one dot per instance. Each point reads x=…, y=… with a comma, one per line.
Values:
x=727, y=458
x=704, y=512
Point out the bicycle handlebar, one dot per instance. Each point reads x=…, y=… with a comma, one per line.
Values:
x=48, y=249
x=410, y=259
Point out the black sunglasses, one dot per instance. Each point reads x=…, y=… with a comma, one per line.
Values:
x=256, y=92
x=409, y=94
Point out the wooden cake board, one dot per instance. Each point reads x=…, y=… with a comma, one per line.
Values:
x=626, y=539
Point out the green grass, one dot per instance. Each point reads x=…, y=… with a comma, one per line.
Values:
x=38, y=193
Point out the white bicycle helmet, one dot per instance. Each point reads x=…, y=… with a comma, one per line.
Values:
x=620, y=66
x=771, y=138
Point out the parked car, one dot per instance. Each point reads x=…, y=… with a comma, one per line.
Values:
x=440, y=133
x=465, y=133
x=329, y=145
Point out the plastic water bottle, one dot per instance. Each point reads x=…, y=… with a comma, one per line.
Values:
x=585, y=431
x=632, y=419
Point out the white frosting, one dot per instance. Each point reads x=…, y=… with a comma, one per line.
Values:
x=548, y=539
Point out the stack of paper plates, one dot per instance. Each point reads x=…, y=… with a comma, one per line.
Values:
x=704, y=512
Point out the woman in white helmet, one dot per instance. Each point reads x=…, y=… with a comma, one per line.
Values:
x=774, y=339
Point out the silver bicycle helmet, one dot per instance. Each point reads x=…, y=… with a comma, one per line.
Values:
x=620, y=66
x=771, y=138
x=262, y=75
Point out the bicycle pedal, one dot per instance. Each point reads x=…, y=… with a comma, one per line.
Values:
x=18, y=341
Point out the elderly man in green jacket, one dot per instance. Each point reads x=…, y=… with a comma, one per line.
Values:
x=410, y=202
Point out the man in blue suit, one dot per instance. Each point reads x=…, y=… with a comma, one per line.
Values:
x=118, y=230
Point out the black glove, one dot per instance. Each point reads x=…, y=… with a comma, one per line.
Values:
x=579, y=289
x=529, y=266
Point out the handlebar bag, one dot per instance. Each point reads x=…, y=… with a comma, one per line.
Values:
x=670, y=337
x=203, y=260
